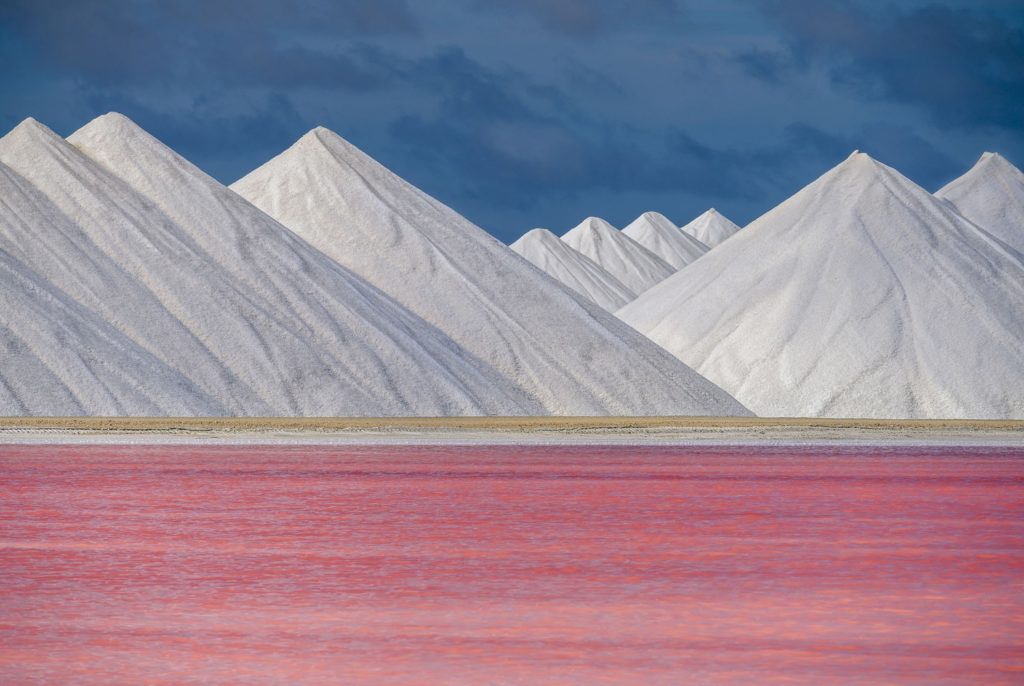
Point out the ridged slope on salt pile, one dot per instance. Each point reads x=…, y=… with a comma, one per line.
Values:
x=550, y=254
x=711, y=228
x=663, y=238
x=570, y=354
x=60, y=359
x=860, y=296
x=991, y=194
x=265, y=323
x=622, y=257
x=37, y=233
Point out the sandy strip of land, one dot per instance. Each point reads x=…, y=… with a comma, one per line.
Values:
x=509, y=430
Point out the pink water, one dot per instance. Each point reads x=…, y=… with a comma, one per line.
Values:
x=510, y=565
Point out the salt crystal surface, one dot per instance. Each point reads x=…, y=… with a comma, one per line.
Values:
x=577, y=271
x=711, y=228
x=663, y=238
x=625, y=259
x=991, y=194
x=60, y=359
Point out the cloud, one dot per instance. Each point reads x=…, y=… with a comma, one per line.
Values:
x=900, y=146
x=771, y=66
x=336, y=17
x=519, y=111
x=510, y=142
x=965, y=68
x=219, y=135
x=589, y=17
x=181, y=41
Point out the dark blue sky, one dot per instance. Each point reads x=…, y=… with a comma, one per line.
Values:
x=540, y=112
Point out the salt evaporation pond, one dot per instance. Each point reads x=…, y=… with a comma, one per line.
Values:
x=501, y=565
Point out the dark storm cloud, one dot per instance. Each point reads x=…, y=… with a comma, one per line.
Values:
x=964, y=67
x=340, y=17
x=228, y=41
x=512, y=144
x=354, y=68
x=273, y=121
x=525, y=112
x=510, y=141
x=589, y=17
x=772, y=66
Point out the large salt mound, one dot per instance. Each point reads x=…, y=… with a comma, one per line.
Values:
x=622, y=257
x=861, y=296
x=570, y=354
x=60, y=359
x=550, y=254
x=663, y=238
x=991, y=195
x=221, y=293
x=711, y=228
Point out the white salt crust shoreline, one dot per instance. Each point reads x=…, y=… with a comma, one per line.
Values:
x=690, y=436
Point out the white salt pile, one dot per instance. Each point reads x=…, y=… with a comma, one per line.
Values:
x=131, y=283
x=663, y=238
x=861, y=296
x=219, y=293
x=991, y=195
x=569, y=354
x=711, y=228
x=551, y=255
x=622, y=257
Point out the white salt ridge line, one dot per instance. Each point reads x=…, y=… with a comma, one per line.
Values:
x=266, y=322
x=663, y=238
x=625, y=259
x=577, y=271
x=569, y=354
x=861, y=296
x=991, y=194
x=711, y=228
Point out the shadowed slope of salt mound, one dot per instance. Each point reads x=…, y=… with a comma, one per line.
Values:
x=711, y=228
x=60, y=359
x=618, y=254
x=991, y=194
x=266, y=324
x=38, y=234
x=663, y=238
x=550, y=254
x=860, y=296
x=573, y=356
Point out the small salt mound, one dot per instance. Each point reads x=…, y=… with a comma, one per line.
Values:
x=569, y=354
x=711, y=228
x=545, y=251
x=861, y=296
x=991, y=194
x=622, y=257
x=663, y=238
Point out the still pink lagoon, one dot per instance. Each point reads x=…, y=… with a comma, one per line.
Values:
x=510, y=565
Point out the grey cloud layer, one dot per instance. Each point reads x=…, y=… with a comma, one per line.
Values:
x=540, y=112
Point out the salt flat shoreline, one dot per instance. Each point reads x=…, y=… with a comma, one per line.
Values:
x=510, y=431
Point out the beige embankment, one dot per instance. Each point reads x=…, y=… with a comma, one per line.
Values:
x=535, y=430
